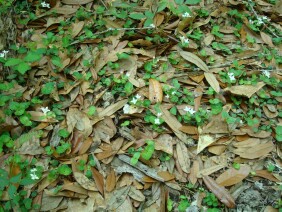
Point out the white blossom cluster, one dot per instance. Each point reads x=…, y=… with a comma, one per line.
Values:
x=44, y=4
x=4, y=53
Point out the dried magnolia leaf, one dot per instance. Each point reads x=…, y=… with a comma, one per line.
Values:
x=192, y=58
x=245, y=90
x=233, y=176
x=84, y=181
x=220, y=192
x=212, y=81
x=155, y=91
x=99, y=180
x=183, y=157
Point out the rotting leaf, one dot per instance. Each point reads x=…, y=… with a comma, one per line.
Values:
x=257, y=151
x=219, y=191
x=233, y=176
x=136, y=194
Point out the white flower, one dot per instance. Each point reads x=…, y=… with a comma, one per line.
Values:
x=45, y=110
x=134, y=101
x=260, y=21
x=159, y=114
x=137, y=96
x=126, y=108
x=265, y=18
x=266, y=73
x=231, y=76
x=186, y=15
x=184, y=40
x=127, y=74
x=157, y=121
x=152, y=25
x=190, y=110
x=44, y=4
x=4, y=53
x=167, y=96
x=33, y=175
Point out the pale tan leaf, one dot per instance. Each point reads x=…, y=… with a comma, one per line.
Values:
x=76, y=1
x=266, y=39
x=76, y=28
x=85, y=182
x=233, y=176
x=183, y=157
x=245, y=90
x=212, y=81
x=192, y=58
x=220, y=192
x=155, y=91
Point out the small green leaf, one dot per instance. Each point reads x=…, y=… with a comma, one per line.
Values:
x=13, y=61
x=91, y=110
x=137, y=16
x=47, y=88
x=192, y=1
x=32, y=57
x=64, y=170
x=22, y=67
x=63, y=133
x=25, y=121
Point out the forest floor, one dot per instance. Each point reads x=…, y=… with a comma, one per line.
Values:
x=167, y=105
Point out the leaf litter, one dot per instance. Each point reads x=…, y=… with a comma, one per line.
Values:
x=149, y=106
